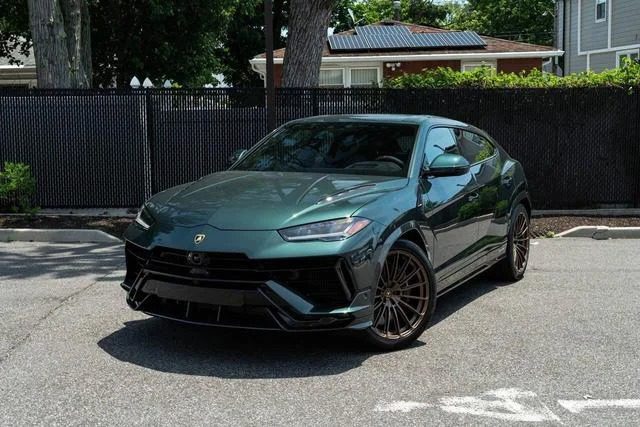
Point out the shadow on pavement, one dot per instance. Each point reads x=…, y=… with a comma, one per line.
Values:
x=465, y=294
x=28, y=261
x=232, y=353
x=166, y=346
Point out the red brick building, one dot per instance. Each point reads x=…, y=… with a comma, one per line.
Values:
x=347, y=61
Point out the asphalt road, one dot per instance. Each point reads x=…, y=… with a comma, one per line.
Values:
x=561, y=346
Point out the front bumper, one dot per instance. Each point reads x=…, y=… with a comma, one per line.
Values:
x=232, y=290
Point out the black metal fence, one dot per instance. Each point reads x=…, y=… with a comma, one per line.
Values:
x=105, y=148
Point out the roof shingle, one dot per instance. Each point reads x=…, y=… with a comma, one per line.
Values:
x=494, y=45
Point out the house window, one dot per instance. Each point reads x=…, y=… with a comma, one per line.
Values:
x=332, y=77
x=364, y=77
x=633, y=54
x=470, y=66
x=601, y=10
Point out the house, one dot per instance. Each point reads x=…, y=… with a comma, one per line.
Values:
x=367, y=55
x=597, y=34
x=18, y=76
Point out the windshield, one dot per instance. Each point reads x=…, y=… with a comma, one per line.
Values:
x=343, y=147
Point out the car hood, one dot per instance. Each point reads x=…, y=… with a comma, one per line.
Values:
x=247, y=200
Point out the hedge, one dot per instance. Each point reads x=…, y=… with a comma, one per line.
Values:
x=627, y=77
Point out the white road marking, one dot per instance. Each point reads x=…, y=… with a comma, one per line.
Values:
x=509, y=404
x=400, y=406
x=577, y=406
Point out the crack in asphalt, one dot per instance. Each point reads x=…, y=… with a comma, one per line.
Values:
x=62, y=302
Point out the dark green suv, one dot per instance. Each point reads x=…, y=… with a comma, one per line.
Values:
x=338, y=222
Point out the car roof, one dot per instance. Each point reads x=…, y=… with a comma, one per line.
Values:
x=385, y=118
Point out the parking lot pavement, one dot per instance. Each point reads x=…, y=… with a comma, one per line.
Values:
x=561, y=346
x=37, y=278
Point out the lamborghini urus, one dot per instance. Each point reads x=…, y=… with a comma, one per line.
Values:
x=355, y=222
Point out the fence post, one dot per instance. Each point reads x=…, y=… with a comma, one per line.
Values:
x=269, y=76
x=314, y=102
x=636, y=202
x=150, y=139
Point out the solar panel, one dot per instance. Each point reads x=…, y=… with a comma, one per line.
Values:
x=387, y=37
x=386, y=30
x=344, y=42
x=386, y=41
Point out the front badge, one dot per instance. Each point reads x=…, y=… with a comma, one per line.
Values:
x=199, y=238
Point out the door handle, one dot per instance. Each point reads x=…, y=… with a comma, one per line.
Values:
x=473, y=197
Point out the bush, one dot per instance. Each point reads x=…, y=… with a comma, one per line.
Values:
x=17, y=186
x=626, y=77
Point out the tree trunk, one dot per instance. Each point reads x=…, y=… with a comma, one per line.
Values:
x=307, y=36
x=61, y=42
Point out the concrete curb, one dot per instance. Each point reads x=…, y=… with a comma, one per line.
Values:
x=98, y=213
x=56, y=236
x=602, y=232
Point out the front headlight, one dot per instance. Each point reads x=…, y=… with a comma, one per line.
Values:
x=144, y=218
x=328, y=231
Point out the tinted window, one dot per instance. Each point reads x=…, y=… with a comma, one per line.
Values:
x=474, y=147
x=344, y=147
x=439, y=141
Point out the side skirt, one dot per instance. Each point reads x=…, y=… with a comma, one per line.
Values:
x=481, y=265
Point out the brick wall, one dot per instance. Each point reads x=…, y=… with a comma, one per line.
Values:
x=415, y=67
x=518, y=65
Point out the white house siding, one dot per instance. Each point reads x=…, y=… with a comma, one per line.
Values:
x=594, y=34
x=626, y=23
x=603, y=61
x=18, y=76
x=591, y=47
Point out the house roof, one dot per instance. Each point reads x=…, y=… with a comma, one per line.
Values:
x=494, y=46
x=27, y=61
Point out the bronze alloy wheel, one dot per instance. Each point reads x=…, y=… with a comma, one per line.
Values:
x=521, y=242
x=402, y=296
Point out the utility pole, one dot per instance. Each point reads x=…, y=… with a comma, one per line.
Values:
x=271, y=91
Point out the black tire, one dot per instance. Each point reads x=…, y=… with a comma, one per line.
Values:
x=513, y=266
x=405, y=298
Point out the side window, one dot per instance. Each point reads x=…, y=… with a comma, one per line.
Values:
x=474, y=147
x=439, y=141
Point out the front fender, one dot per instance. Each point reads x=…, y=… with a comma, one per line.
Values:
x=521, y=195
x=395, y=232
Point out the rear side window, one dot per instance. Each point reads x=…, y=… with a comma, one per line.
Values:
x=473, y=147
x=440, y=141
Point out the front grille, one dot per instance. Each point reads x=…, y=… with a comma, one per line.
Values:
x=321, y=280
x=245, y=317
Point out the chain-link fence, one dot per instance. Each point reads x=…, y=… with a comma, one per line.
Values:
x=106, y=148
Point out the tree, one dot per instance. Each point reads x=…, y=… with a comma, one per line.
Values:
x=247, y=41
x=15, y=36
x=62, y=42
x=524, y=20
x=160, y=39
x=421, y=12
x=307, y=36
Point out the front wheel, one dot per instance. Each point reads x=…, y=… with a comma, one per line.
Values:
x=405, y=298
x=513, y=266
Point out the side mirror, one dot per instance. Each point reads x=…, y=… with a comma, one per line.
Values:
x=237, y=155
x=446, y=165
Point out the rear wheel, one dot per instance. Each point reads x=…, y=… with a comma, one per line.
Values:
x=513, y=266
x=405, y=298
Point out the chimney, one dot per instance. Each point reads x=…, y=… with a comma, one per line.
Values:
x=396, y=10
